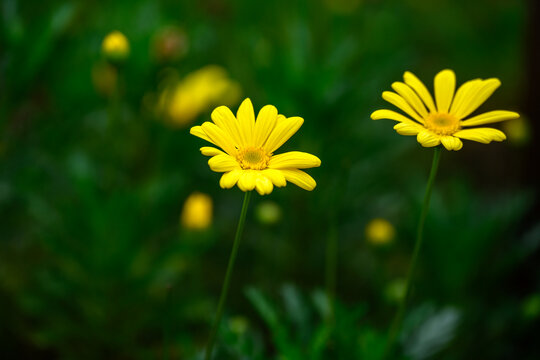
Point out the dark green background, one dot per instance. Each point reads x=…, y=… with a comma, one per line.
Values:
x=90, y=242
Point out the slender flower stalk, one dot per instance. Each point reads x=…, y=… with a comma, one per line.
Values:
x=228, y=275
x=396, y=324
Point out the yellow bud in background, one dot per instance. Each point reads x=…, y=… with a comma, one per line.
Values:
x=182, y=101
x=197, y=212
x=380, y=231
x=518, y=131
x=115, y=46
x=268, y=212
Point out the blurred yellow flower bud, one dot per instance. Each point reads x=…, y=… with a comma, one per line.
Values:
x=380, y=231
x=268, y=212
x=518, y=131
x=199, y=91
x=115, y=46
x=197, y=212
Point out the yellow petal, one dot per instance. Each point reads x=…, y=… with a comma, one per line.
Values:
x=477, y=96
x=246, y=121
x=276, y=176
x=223, y=163
x=199, y=132
x=295, y=160
x=411, y=97
x=391, y=115
x=246, y=182
x=229, y=179
x=299, y=178
x=399, y=102
x=211, y=151
x=418, y=86
x=285, y=128
x=408, y=129
x=451, y=143
x=445, y=85
x=490, y=117
x=263, y=185
x=427, y=139
x=266, y=121
x=219, y=137
x=463, y=93
x=224, y=118
x=483, y=135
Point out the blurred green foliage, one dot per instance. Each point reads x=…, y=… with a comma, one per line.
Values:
x=93, y=260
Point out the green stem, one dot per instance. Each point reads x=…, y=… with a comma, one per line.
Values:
x=228, y=274
x=396, y=324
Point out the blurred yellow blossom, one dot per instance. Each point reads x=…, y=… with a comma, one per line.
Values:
x=380, y=231
x=197, y=212
x=518, y=131
x=199, y=91
x=115, y=46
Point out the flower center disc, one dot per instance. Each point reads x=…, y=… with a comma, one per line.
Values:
x=442, y=123
x=253, y=158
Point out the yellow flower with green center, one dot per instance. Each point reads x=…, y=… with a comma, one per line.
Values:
x=444, y=120
x=249, y=144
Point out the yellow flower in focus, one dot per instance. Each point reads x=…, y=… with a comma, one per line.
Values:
x=249, y=144
x=115, y=46
x=197, y=212
x=196, y=93
x=444, y=120
x=380, y=231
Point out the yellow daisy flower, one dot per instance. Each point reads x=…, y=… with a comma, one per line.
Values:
x=445, y=119
x=248, y=158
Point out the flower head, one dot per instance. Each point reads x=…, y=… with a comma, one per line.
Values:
x=444, y=120
x=115, y=46
x=197, y=212
x=380, y=231
x=248, y=158
x=184, y=100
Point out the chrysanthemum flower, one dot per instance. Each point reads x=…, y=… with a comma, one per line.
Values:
x=445, y=119
x=248, y=158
